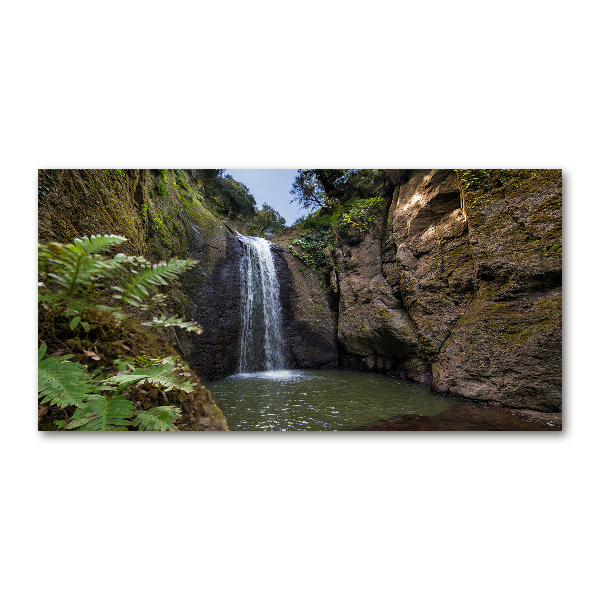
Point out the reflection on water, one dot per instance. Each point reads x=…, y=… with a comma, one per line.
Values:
x=319, y=399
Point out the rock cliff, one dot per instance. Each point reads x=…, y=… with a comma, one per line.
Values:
x=457, y=284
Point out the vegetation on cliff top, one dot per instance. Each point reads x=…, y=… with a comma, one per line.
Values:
x=350, y=221
x=326, y=188
x=231, y=199
x=347, y=203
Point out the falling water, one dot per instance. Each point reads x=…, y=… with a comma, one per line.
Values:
x=262, y=344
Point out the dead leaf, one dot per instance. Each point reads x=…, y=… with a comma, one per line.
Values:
x=91, y=354
x=42, y=410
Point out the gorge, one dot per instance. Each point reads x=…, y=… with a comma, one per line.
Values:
x=451, y=279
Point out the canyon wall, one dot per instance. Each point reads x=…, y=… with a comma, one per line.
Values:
x=457, y=285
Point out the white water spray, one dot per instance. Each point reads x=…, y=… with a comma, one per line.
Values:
x=262, y=343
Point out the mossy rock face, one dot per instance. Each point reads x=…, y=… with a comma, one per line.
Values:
x=507, y=351
x=93, y=201
x=508, y=345
x=515, y=223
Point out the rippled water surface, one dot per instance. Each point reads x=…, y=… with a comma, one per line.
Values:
x=319, y=400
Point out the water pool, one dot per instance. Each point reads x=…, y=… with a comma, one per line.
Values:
x=319, y=400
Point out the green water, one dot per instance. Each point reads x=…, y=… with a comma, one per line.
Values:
x=319, y=400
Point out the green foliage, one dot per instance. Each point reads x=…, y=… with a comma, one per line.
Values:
x=230, y=197
x=319, y=221
x=164, y=321
x=166, y=373
x=308, y=190
x=353, y=219
x=73, y=275
x=103, y=413
x=357, y=216
x=267, y=221
x=160, y=418
x=76, y=267
x=160, y=188
x=313, y=241
x=100, y=404
x=135, y=285
x=318, y=188
x=62, y=382
x=475, y=178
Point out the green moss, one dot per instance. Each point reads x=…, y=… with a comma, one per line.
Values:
x=91, y=201
x=159, y=188
x=500, y=326
x=482, y=185
x=385, y=313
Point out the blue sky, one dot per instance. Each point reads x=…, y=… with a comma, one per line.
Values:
x=273, y=187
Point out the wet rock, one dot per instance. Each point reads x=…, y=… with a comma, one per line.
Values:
x=214, y=292
x=310, y=324
x=469, y=417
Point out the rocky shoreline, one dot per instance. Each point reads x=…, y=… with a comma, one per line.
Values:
x=471, y=417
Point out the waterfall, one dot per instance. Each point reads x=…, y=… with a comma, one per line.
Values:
x=262, y=345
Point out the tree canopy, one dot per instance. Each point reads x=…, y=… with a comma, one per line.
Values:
x=317, y=188
x=268, y=221
x=232, y=197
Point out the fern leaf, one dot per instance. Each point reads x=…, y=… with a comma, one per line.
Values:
x=161, y=418
x=95, y=244
x=165, y=373
x=175, y=321
x=138, y=284
x=77, y=266
x=103, y=413
x=62, y=382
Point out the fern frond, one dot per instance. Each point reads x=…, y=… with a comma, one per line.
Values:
x=175, y=321
x=161, y=418
x=137, y=285
x=165, y=373
x=76, y=267
x=94, y=244
x=62, y=382
x=103, y=413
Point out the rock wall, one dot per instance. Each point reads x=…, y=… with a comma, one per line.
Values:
x=457, y=285
x=213, y=289
x=309, y=321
